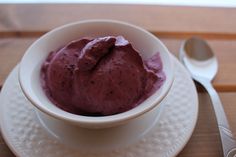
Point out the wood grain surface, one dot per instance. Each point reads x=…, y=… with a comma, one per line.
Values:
x=167, y=20
x=22, y=24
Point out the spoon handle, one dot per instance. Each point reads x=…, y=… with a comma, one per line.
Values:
x=227, y=139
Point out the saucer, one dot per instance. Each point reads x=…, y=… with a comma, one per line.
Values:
x=97, y=140
x=28, y=134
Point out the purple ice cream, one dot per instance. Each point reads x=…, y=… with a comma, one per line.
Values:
x=100, y=76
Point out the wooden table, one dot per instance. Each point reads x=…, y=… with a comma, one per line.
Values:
x=21, y=25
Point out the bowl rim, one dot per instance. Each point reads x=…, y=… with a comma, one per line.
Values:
x=89, y=120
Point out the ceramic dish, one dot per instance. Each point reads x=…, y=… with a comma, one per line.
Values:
x=143, y=41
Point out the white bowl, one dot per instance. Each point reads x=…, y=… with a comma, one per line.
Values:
x=143, y=41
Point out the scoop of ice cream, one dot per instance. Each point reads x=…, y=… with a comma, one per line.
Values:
x=101, y=76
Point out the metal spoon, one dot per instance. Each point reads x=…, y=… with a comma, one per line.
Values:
x=202, y=64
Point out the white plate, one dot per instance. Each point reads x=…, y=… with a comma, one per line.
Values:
x=26, y=137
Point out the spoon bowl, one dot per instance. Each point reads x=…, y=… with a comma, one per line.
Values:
x=199, y=58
